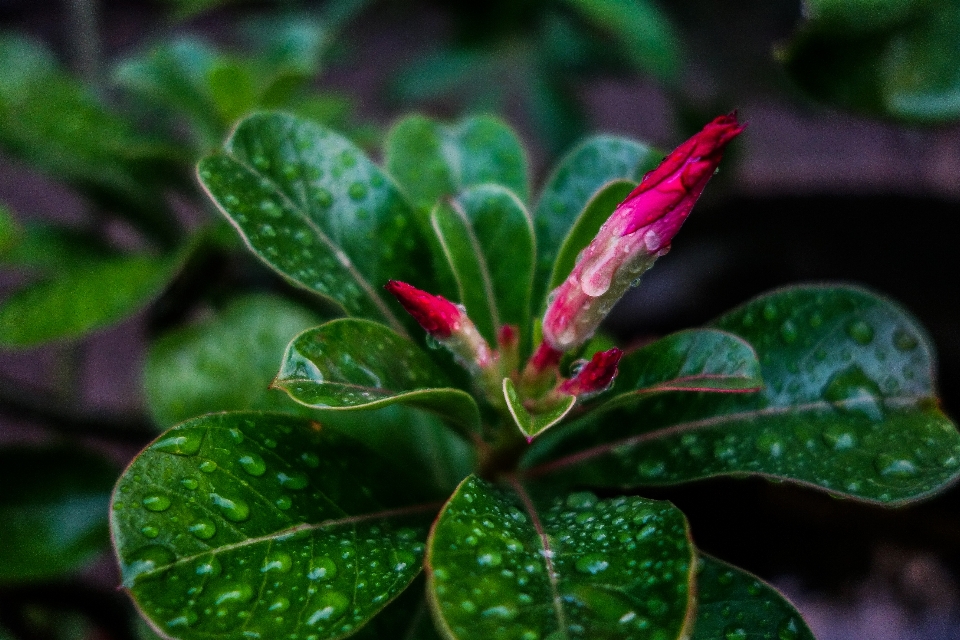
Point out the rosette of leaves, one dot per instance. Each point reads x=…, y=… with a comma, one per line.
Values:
x=268, y=525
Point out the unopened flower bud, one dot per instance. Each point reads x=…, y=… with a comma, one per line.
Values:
x=595, y=376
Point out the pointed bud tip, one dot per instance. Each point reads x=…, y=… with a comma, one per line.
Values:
x=596, y=375
x=507, y=336
x=437, y=315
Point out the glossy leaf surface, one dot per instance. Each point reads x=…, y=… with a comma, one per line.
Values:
x=574, y=566
x=53, y=511
x=488, y=240
x=313, y=207
x=586, y=226
x=580, y=174
x=848, y=406
x=691, y=360
x=76, y=301
x=533, y=422
x=225, y=362
x=358, y=364
x=243, y=523
x=431, y=160
x=732, y=603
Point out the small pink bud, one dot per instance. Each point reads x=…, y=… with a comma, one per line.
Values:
x=595, y=376
x=507, y=338
x=437, y=315
x=638, y=231
x=545, y=357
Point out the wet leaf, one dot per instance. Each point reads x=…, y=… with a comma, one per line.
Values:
x=225, y=362
x=53, y=511
x=580, y=174
x=357, y=364
x=573, y=566
x=261, y=524
x=691, y=360
x=313, y=207
x=848, y=406
x=431, y=160
x=488, y=240
x=534, y=421
x=732, y=603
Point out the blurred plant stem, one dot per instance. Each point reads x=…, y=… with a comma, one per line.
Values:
x=83, y=34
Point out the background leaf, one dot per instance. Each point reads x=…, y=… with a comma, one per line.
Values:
x=313, y=207
x=580, y=174
x=53, y=511
x=596, y=568
x=848, y=406
x=267, y=524
x=732, y=603
x=225, y=362
x=358, y=364
x=532, y=423
x=487, y=237
x=431, y=160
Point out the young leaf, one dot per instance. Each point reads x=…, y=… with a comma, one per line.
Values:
x=358, y=364
x=848, y=406
x=580, y=174
x=691, y=360
x=533, y=423
x=499, y=566
x=586, y=226
x=53, y=511
x=431, y=160
x=488, y=239
x=79, y=300
x=312, y=206
x=732, y=603
x=225, y=362
x=265, y=524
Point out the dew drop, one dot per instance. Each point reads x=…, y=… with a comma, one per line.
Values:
x=357, y=191
x=310, y=459
x=150, y=531
x=280, y=562
x=852, y=391
x=489, y=559
x=894, y=467
x=294, y=480
x=253, y=464
x=283, y=503
x=186, y=619
x=735, y=632
x=234, y=510
x=592, y=563
x=156, y=503
x=236, y=593
x=203, y=529
x=331, y=606
x=210, y=567
x=770, y=311
x=788, y=629
x=323, y=198
x=839, y=438
x=185, y=443
x=322, y=569
x=903, y=340
x=860, y=332
x=189, y=483
x=208, y=466
x=581, y=500
x=788, y=331
x=500, y=612
x=146, y=559
x=279, y=605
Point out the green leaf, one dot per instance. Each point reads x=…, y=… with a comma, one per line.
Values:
x=49, y=249
x=313, y=207
x=640, y=30
x=580, y=174
x=488, y=239
x=259, y=523
x=586, y=227
x=225, y=362
x=848, y=406
x=357, y=364
x=76, y=301
x=431, y=160
x=691, y=360
x=732, y=603
x=499, y=565
x=845, y=17
x=53, y=511
x=10, y=231
x=534, y=422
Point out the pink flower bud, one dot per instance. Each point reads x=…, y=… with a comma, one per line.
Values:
x=595, y=376
x=437, y=315
x=639, y=230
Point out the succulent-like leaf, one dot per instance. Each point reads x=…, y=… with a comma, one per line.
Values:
x=691, y=360
x=488, y=240
x=83, y=297
x=358, y=364
x=431, y=160
x=586, y=226
x=53, y=511
x=580, y=174
x=312, y=206
x=224, y=363
x=533, y=423
x=734, y=604
x=848, y=406
x=497, y=564
x=247, y=523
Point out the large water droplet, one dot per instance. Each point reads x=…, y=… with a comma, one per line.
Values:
x=581, y=500
x=186, y=619
x=182, y=443
x=156, y=503
x=592, y=563
x=331, y=605
x=203, y=529
x=860, y=332
x=277, y=562
x=789, y=332
x=150, y=531
x=894, y=466
x=208, y=466
x=788, y=629
x=146, y=559
x=357, y=191
x=852, y=391
x=235, y=510
x=500, y=612
x=294, y=480
x=253, y=464
x=839, y=438
x=279, y=605
x=322, y=569
x=234, y=594
x=489, y=558
x=210, y=567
